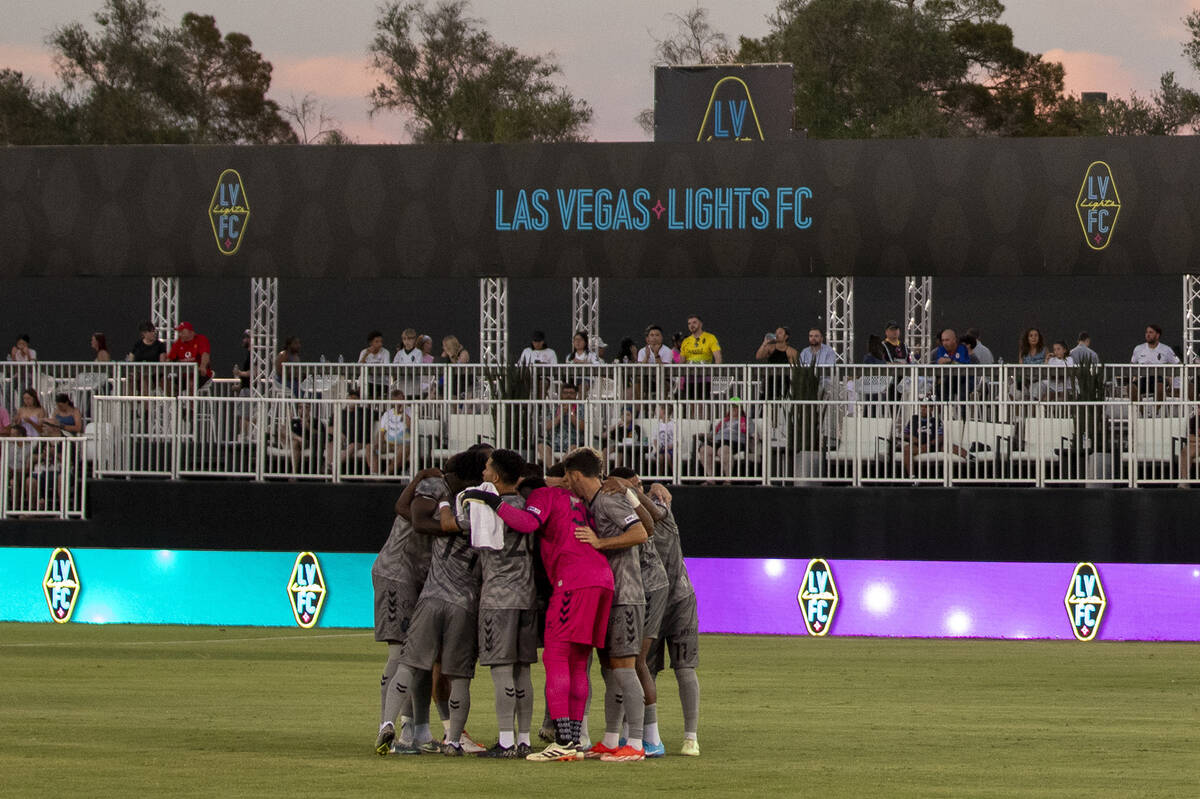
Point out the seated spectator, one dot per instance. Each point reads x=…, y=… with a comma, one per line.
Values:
x=970, y=343
x=677, y=345
x=950, y=350
x=289, y=354
x=30, y=417
x=1056, y=386
x=392, y=435
x=537, y=353
x=453, y=351
x=66, y=418
x=775, y=348
x=581, y=353
x=627, y=351
x=563, y=427
x=375, y=353
x=427, y=349
x=1190, y=451
x=100, y=347
x=409, y=352
x=620, y=438
x=876, y=354
x=1152, y=353
x=731, y=435
x=5, y=423
x=661, y=452
x=981, y=352
x=356, y=430
x=655, y=351
x=698, y=346
x=148, y=348
x=923, y=433
x=309, y=438
x=817, y=352
x=191, y=347
x=21, y=352
x=1083, y=354
x=1032, y=351
x=895, y=349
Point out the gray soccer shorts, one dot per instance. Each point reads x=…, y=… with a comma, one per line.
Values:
x=394, y=605
x=441, y=631
x=624, y=638
x=507, y=636
x=680, y=637
x=656, y=607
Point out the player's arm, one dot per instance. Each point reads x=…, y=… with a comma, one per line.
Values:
x=516, y=518
x=634, y=534
x=427, y=517
x=404, y=503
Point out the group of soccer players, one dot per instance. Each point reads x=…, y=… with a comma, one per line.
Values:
x=487, y=557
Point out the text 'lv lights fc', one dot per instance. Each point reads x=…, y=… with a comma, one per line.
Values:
x=306, y=590
x=1085, y=601
x=818, y=597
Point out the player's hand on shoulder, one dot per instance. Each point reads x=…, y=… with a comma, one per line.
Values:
x=587, y=535
x=614, y=485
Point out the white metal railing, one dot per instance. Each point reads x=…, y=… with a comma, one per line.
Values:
x=43, y=477
x=84, y=380
x=870, y=438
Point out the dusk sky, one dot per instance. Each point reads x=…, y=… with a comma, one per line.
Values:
x=606, y=48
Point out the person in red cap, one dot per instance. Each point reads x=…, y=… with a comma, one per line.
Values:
x=191, y=347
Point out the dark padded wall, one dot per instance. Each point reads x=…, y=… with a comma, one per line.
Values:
x=974, y=207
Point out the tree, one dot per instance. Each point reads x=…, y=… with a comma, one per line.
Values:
x=693, y=42
x=459, y=84
x=29, y=115
x=136, y=80
x=313, y=122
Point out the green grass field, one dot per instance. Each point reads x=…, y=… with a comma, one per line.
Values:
x=207, y=711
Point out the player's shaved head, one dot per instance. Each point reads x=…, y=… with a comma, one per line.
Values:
x=508, y=465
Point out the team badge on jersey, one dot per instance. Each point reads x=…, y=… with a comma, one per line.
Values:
x=818, y=597
x=1085, y=601
x=61, y=585
x=306, y=590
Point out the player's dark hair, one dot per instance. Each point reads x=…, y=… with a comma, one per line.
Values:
x=556, y=470
x=624, y=472
x=480, y=447
x=468, y=466
x=531, y=471
x=583, y=461
x=508, y=464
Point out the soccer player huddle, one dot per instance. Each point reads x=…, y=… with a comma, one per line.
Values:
x=486, y=557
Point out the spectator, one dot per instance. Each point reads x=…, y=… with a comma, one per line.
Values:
x=599, y=345
x=981, y=351
x=580, y=352
x=1190, y=451
x=1152, y=353
x=677, y=345
x=655, y=351
x=950, y=350
x=627, y=351
x=309, y=437
x=1083, y=354
x=1032, y=351
x=427, y=349
x=453, y=351
x=775, y=348
x=66, y=418
x=923, y=433
x=563, y=428
x=30, y=417
x=699, y=347
x=817, y=352
x=662, y=447
x=5, y=422
x=537, y=352
x=409, y=352
x=730, y=436
x=895, y=349
x=289, y=354
x=100, y=347
x=21, y=352
x=876, y=354
x=970, y=343
x=392, y=435
x=242, y=373
x=375, y=353
x=149, y=348
x=191, y=347
x=356, y=429
x=1059, y=357
x=620, y=438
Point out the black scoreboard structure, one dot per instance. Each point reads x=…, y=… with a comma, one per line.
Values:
x=723, y=102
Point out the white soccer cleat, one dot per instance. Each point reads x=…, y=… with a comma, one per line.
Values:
x=556, y=752
x=691, y=748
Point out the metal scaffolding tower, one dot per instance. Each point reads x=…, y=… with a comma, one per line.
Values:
x=264, y=331
x=1191, y=317
x=493, y=321
x=839, y=316
x=164, y=307
x=918, y=315
x=585, y=307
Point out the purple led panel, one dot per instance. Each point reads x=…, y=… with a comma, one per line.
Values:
x=948, y=599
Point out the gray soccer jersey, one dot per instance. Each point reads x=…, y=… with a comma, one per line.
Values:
x=405, y=555
x=508, y=572
x=654, y=576
x=666, y=541
x=454, y=573
x=611, y=515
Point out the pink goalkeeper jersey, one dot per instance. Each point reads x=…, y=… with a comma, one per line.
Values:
x=570, y=563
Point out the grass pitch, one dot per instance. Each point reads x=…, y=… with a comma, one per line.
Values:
x=208, y=711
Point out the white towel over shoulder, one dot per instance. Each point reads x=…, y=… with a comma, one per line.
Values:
x=487, y=531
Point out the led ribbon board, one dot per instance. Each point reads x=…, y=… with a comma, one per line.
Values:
x=818, y=597
x=306, y=590
x=229, y=212
x=1085, y=601
x=61, y=585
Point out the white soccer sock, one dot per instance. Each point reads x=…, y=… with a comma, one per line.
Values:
x=422, y=734
x=650, y=735
x=506, y=739
x=523, y=738
x=689, y=736
x=636, y=743
x=610, y=739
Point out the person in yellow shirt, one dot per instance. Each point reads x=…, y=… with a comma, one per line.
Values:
x=699, y=347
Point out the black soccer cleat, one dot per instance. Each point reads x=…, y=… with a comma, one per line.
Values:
x=498, y=751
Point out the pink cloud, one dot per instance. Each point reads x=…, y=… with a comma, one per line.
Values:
x=1096, y=72
x=33, y=62
x=325, y=76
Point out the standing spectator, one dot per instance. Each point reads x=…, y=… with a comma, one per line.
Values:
x=564, y=427
x=537, y=352
x=427, y=349
x=1152, y=353
x=375, y=353
x=655, y=351
x=242, y=373
x=817, y=352
x=192, y=347
x=21, y=352
x=699, y=347
x=580, y=352
x=895, y=349
x=1032, y=351
x=599, y=345
x=148, y=348
x=1083, y=354
x=408, y=352
x=289, y=354
x=776, y=349
x=981, y=351
x=100, y=347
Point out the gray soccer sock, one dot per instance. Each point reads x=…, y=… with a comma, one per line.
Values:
x=612, y=702
x=523, y=683
x=443, y=706
x=397, y=693
x=421, y=694
x=460, y=706
x=689, y=697
x=632, y=699
x=389, y=671
x=506, y=696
